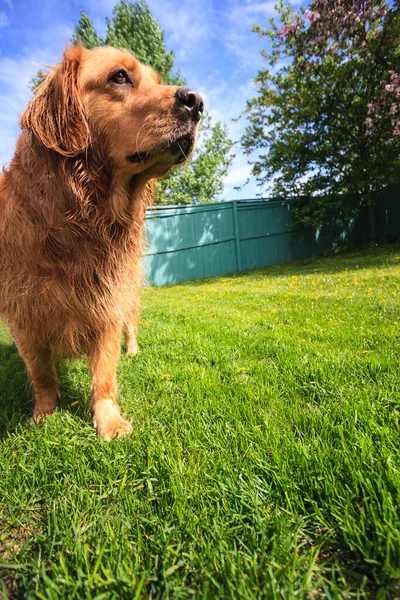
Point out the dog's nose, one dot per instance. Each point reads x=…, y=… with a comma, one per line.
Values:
x=192, y=101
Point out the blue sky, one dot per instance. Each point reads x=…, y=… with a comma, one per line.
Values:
x=214, y=46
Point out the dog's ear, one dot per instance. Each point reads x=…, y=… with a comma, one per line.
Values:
x=55, y=115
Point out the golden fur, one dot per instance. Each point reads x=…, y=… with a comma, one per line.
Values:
x=72, y=208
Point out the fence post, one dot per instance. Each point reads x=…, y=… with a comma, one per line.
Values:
x=237, y=236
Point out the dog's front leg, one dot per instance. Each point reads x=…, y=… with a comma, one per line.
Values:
x=40, y=365
x=103, y=360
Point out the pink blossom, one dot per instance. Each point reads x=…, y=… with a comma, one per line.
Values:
x=287, y=30
x=312, y=15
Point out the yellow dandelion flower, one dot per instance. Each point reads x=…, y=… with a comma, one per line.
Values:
x=167, y=375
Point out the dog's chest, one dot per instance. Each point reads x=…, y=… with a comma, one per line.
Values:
x=87, y=270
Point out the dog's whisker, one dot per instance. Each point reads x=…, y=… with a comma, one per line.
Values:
x=180, y=148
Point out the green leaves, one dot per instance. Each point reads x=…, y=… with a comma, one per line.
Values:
x=323, y=121
x=86, y=33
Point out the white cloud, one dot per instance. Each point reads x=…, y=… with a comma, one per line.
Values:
x=47, y=45
x=189, y=26
x=225, y=103
x=238, y=36
x=15, y=76
x=184, y=25
x=3, y=19
x=238, y=174
x=43, y=48
x=240, y=177
x=241, y=14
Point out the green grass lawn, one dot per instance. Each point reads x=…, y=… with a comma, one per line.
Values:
x=264, y=461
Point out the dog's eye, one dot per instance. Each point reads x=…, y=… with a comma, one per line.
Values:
x=121, y=78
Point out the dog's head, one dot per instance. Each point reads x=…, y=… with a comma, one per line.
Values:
x=106, y=98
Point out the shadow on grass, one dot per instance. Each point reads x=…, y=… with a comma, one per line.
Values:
x=15, y=394
x=16, y=398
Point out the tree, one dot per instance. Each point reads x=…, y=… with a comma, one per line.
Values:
x=200, y=180
x=134, y=28
x=86, y=33
x=326, y=118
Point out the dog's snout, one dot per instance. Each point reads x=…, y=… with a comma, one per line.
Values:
x=192, y=101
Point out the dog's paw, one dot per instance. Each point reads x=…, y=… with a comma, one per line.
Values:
x=108, y=422
x=132, y=348
x=115, y=427
x=39, y=416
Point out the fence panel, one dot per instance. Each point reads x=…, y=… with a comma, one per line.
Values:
x=267, y=235
x=194, y=242
x=186, y=243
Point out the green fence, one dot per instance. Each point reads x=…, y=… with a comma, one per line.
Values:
x=194, y=242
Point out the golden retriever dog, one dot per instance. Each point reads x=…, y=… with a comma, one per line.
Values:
x=99, y=129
